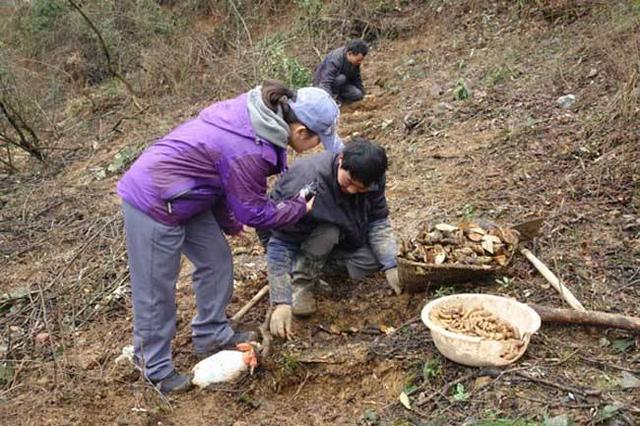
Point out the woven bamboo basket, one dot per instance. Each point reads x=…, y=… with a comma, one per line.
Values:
x=419, y=276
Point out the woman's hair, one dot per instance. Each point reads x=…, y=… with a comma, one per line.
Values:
x=274, y=95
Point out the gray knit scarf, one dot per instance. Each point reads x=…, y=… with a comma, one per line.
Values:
x=266, y=123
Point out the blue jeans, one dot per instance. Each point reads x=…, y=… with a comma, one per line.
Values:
x=292, y=264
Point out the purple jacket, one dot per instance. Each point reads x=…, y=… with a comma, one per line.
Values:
x=214, y=161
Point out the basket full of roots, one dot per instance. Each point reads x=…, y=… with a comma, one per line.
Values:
x=449, y=254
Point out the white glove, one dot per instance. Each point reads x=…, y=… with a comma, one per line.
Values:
x=393, y=280
x=280, y=322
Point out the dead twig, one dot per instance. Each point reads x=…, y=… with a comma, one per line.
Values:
x=78, y=253
x=250, y=304
x=266, y=335
x=608, y=364
x=575, y=391
x=110, y=67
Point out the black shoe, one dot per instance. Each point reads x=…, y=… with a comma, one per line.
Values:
x=174, y=383
x=238, y=337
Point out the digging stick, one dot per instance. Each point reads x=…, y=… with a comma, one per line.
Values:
x=250, y=304
x=602, y=319
x=565, y=293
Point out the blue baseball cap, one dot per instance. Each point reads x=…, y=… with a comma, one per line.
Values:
x=317, y=110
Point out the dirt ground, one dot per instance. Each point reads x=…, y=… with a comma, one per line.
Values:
x=506, y=153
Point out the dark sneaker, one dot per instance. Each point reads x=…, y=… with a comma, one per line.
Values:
x=304, y=302
x=238, y=337
x=174, y=383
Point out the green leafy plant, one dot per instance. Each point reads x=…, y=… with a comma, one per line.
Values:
x=42, y=18
x=461, y=92
x=289, y=363
x=499, y=74
x=468, y=210
x=431, y=369
x=504, y=282
x=273, y=62
x=460, y=394
x=444, y=291
x=122, y=159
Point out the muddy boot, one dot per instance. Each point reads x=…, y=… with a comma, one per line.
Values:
x=304, y=279
x=304, y=302
x=174, y=383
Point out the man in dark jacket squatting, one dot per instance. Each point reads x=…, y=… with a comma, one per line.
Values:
x=348, y=225
x=339, y=72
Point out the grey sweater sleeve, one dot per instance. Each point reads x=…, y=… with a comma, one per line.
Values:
x=383, y=243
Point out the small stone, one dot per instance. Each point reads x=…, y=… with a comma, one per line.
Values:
x=566, y=101
x=411, y=62
x=592, y=73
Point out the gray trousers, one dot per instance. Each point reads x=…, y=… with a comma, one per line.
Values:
x=317, y=254
x=154, y=251
x=346, y=92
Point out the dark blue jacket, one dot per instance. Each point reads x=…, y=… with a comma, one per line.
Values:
x=334, y=64
x=351, y=213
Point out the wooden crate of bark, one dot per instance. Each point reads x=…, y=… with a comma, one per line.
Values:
x=448, y=254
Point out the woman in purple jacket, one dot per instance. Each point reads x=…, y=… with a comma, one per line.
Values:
x=206, y=177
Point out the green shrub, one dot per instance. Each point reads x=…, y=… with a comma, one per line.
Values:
x=274, y=63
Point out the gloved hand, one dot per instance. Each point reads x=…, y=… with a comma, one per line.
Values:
x=280, y=323
x=393, y=280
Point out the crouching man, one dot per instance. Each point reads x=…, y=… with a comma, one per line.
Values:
x=348, y=227
x=339, y=72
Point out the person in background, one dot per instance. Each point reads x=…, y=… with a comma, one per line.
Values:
x=339, y=72
x=207, y=177
x=348, y=229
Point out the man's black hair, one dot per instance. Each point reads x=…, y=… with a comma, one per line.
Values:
x=358, y=46
x=366, y=161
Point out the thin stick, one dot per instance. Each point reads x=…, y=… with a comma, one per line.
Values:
x=78, y=252
x=266, y=335
x=558, y=385
x=565, y=293
x=250, y=304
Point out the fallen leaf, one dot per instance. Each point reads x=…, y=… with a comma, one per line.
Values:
x=6, y=372
x=492, y=238
x=622, y=344
x=386, y=329
x=477, y=230
x=487, y=245
x=474, y=236
x=607, y=412
x=628, y=381
x=561, y=420
x=501, y=260
x=482, y=381
x=509, y=236
x=404, y=400
x=444, y=227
